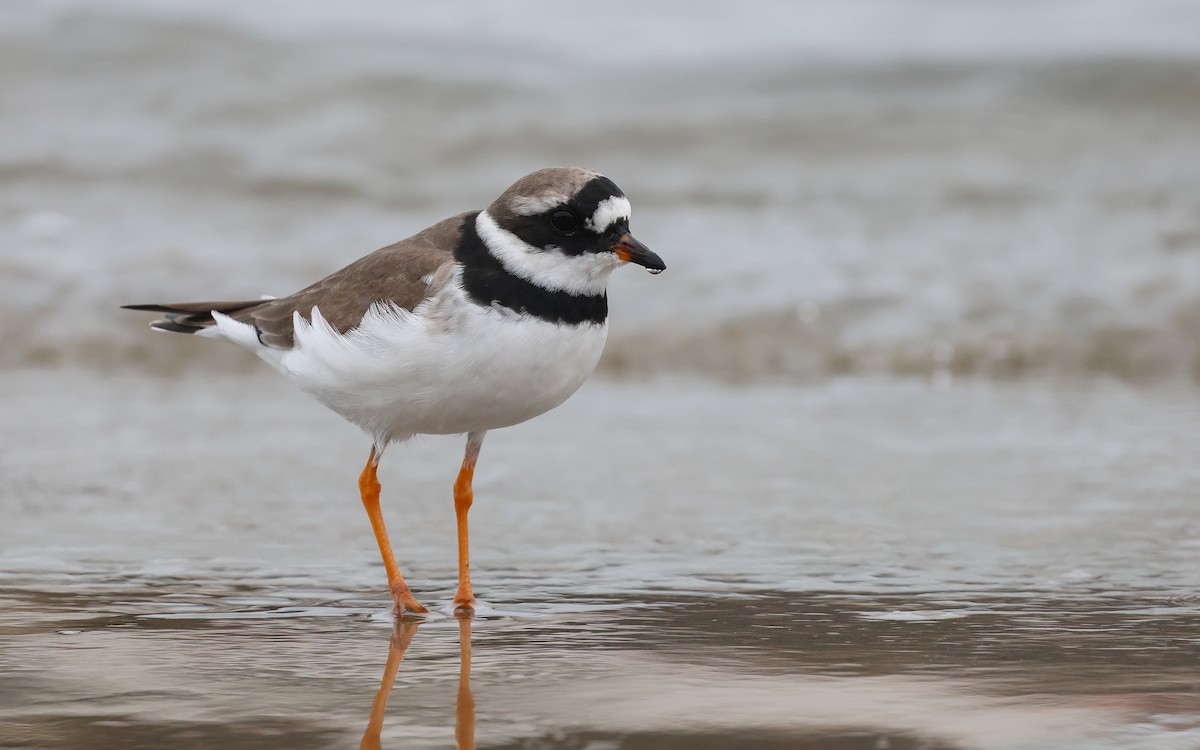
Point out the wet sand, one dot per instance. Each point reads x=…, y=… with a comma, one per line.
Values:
x=861, y=564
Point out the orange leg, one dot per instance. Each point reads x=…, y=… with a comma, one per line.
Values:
x=464, y=598
x=368, y=486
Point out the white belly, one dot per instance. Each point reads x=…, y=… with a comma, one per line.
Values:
x=463, y=368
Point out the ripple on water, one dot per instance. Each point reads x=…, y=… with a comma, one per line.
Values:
x=782, y=664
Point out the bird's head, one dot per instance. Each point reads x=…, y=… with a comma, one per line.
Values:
x=564, y=229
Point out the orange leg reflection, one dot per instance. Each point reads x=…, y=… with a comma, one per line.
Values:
x=402, y=635
x=464, y=707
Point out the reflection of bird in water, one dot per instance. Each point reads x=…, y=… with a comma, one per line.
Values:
x=464, y=709
x=402, y=635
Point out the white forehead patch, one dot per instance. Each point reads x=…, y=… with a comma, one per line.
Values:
x=532, y=205
x=550, y=269
x=613, y=208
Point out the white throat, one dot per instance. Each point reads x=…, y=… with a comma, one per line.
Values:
x=550, y=269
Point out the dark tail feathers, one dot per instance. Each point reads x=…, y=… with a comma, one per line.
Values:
x=190, y=317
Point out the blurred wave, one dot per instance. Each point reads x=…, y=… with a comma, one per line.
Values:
x=831, y=197
x=799, y=345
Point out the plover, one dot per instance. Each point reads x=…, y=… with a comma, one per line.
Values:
x=481, y=321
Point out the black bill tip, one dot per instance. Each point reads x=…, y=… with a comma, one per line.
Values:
x=630, y=250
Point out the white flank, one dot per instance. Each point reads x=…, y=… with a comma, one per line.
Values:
x=449, y=367
x=611, y=209
x=550, y=269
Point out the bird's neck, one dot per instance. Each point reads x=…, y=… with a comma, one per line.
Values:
x=536, y=289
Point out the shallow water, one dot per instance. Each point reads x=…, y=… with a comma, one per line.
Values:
x=248, y=668
x=862, y=564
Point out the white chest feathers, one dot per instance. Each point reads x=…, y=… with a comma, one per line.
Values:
x=449, y=367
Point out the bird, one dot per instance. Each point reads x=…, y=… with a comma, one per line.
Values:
x=481, y=321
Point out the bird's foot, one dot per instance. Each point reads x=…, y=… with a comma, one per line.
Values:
x=403, y=601
x=401, y=608
x=465, y=609
x=464, y=604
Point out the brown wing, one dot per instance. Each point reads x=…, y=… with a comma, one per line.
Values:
x=398, y=273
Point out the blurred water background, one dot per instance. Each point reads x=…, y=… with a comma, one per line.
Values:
x=864, y=187
x=900, y=452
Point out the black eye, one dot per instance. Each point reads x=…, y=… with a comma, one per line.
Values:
x=564, y=221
